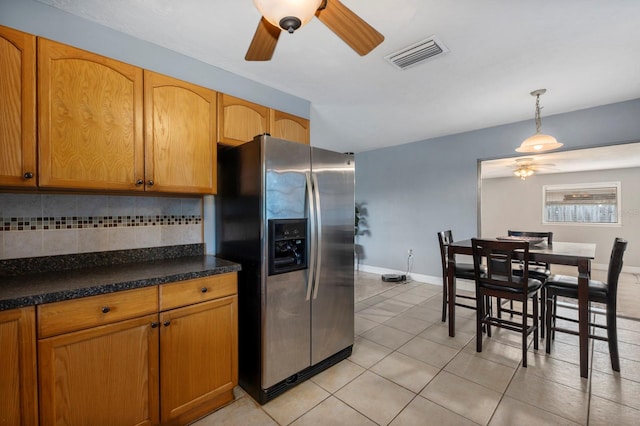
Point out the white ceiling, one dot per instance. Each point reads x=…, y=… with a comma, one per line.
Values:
x=600, y=158
x=584, y=52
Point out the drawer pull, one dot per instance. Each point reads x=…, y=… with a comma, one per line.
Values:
x=166, y=323
x=204, y=289
x=139, y=182
x=154, y=324
x=150, y=182
x=28, y=175
x=105, y=309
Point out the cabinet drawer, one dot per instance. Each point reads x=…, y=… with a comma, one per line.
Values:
x=77, y=314
x=187, y=292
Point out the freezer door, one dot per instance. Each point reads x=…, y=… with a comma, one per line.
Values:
x=332, y=305
x=286, y=344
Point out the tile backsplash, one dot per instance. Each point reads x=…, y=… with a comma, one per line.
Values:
x=51, y=224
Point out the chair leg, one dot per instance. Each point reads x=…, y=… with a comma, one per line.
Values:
x=488, y=312
x=612, y=337
x=524, y=332
x=444, y=301
x=536, y=320
x=480, y=301
x=543, y=296
x=498, y=307
x=549, y=314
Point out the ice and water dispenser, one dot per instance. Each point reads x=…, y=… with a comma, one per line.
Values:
x=287, y=245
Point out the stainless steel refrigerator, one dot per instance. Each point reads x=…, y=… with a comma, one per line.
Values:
x=285, y=212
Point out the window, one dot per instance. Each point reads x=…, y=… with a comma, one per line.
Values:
x=590, y=203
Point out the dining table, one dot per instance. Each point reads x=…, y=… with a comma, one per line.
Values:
x=558, y=253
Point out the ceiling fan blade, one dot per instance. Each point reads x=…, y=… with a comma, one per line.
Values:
x=352, y=29
x=264, y=42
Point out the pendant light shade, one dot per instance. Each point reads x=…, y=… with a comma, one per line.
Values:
x=287, y=14
x=539, y=142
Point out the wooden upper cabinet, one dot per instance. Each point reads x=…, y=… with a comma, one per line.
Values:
x=239, y=121
x=289, y=127
x=180, y=136
x=17, y=108
x=18, y=385
x=89, y=120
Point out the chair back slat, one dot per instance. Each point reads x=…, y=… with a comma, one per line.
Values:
x=547, y=235
x=500, y=257
x=537, y=234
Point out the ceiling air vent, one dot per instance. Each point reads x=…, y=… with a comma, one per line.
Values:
x=417, y=53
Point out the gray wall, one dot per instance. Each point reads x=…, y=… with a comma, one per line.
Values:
x=413, y=191
x=524, y=210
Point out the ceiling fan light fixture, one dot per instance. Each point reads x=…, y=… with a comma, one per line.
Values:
x=523, y=172
x=539, y=142
x=287, y=14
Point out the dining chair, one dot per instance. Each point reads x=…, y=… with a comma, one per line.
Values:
x=538, y=270
x=501, y=282
x=601, y=292
x=463, y=271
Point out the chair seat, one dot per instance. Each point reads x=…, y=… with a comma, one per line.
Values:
x=566, y=285
x=466, y=271
x=538, y=272
x=533, y=285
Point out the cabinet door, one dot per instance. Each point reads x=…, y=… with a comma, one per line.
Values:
x=180, y=142
x=289, y=127
x=90, y=120
x=17, y=108
x=198, y=358
x=239, y=121
x=106, y=375
x=18, y=387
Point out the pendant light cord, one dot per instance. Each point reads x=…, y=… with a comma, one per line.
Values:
x=538, y=119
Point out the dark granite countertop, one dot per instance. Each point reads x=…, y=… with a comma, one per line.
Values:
x=52, y=286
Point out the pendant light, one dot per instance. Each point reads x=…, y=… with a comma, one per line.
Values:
x=539, y=142
x=288, y=14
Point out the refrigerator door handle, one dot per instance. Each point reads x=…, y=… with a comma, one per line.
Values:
x=316, y=192
x=312, y=236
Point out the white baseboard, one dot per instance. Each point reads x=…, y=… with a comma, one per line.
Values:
x=466, y=284
x=427, y=279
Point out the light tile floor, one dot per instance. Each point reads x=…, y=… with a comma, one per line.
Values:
x=406, y=370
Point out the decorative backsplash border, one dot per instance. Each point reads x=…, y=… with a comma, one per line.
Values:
x=81, y=222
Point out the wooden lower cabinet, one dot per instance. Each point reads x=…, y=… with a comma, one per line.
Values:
x=18, y=378
x=198, y=359
x=102, y=375
x=113, y=359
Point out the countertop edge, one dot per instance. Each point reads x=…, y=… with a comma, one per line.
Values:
x=58, y=292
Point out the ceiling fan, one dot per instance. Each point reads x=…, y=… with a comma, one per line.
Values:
x=525, y=167
x=289, y=15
